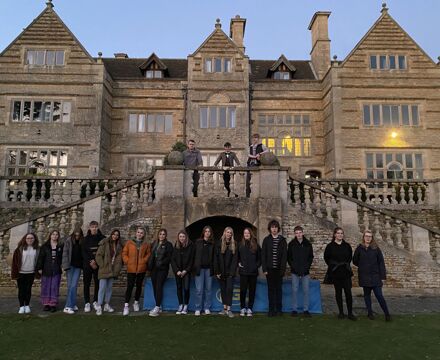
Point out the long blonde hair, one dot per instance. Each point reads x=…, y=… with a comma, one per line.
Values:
x=178, y=245
x=223, y=241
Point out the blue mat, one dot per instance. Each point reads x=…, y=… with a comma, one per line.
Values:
x=170, y=301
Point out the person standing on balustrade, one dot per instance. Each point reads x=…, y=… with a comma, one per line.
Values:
x=192, y=157
x=229, y=159
x=256, y=149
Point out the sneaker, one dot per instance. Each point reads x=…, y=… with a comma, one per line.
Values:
x=352, y=317
x=230, y=314
x=370, y=316
x=207, y=312
x=27, y=309
x=126, y=310
x=87, y=308
x=243, y=312
x=95, y=305
x=249, y=312
x=223, y=312
x=307, y=314
x=68, y=311
x=294, y=313
x=21, y=310
x=98, y=310
x=185, y=310
x=179, y=310
x=155, y=311
x=108, y=308
x=75, y=308
x=197, y=313
x=136, y=306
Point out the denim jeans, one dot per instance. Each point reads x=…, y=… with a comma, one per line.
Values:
x=379, y=296
x=203, y=282
x=73, y=275
x=304, y=282
x=105, y=290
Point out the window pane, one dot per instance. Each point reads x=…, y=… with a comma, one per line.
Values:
x=59, y=57
x=159, y=162
x=306, y=147
x=16, y=111
x=297, y=119
x=151, y=123
x=63, y=158
x=409, y=175
x=208, y=65
x=370, y=161
x=376, y=115
x=212, y=117
x=56, y=115
x=373, y=62
x=227, y=65
x=149, y=74
x=392, y=60
x=31, y=57
x=419, y=163
x=158, y=74
x=402, y=62
x=415, y=115
x=130, y=166
x=37, y=116
x=405, y=115
x=298, y=147
x=43, y=156
x=67, y=107
x=388, y=158
x=40, y=57
x=271, y=119
x=27, y=111
x=379, y=174
x=132, y=123
x=203, y=117
x=386, y=114
x=306, y=119
x=168, y=124
x=222, y=123
x=277, y=75
x=50, y=58
x=141, y=123
x=262, y=120
x=395, y=115
x=232, y=120
x=379, y=160
x=367, y=119
x=53, y=160
x=409, y=160
x=11, y=172
x=160, y=123
x=306, y=131
x=218, y=65
x=370, y=174
x=279, y=119
x=286, y=76
x=288, y=119
x=23, y=157
x=21, y=171
x=12, y=157
x=383, y=62
x=399, y=158
x=46, y=110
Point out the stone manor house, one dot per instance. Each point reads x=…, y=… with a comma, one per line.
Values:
x=357, y=138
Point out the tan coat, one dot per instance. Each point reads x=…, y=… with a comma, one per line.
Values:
x=108, y=268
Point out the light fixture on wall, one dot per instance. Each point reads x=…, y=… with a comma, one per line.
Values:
x=394, y=134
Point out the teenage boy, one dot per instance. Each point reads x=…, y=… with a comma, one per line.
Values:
x=192, y=157
x=228, y=159
x=255, y=151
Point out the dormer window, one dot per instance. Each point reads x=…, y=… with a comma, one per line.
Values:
x=154, y=74
x=218, y=65
x=282, y=69
x=154, y=68
x=281, y=75
x=45, y=57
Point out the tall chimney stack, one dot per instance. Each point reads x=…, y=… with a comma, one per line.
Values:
x=236, y=32
x=320, y=53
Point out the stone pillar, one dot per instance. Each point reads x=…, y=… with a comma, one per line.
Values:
x=3, y=184
x=17, y=232
x=92, y=212
x=420, y=239
x=349, y=218
x=433, y=194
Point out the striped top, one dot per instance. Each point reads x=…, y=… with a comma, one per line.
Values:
x=275, y=242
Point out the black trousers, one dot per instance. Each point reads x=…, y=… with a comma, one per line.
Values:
x=227, y=181
x=132, y=280
x=274, y=290
x=88, y=274
x=158, y=278
x=182, y=285
x=247, y=282
x=344, y=284
x=226, y=289
x=196, y=179
x=24, y=283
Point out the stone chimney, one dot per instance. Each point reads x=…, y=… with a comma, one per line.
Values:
x=236, y=32
x=320, y=53
x=121, y=56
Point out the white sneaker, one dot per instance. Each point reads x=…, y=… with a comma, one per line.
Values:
x=179, y=310
x=197, y=313
x=95, y=305
x=68, y=311
x=27, y=309
x=136, y=306
x=126, y=310
x=207, y=312
x=229, y=313
x=75, y=308
x=249, y=312
x=185, y=310
x=98, y=310
x=223, y=312
x=243, y=312
x=21, y=310
x=87, y=308
x=155, y=311
x=108, y=308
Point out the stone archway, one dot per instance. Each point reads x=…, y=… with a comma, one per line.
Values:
x=218, y=224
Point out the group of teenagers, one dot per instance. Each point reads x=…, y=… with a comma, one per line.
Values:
x=101, y=258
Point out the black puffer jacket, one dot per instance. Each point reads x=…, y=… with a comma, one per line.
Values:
x=248, y=261
x=50, y=267
x=225, y=264
x=300, y=256
x=198, y=253
x=183, y=258
x=371, y=266
x=161, y=254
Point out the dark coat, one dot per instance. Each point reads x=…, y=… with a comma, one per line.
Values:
x=266, y=254
x=225, y=264
x=50, y=267
x=248, y=261
x=198, y=257
x=371, y=266
x=161, y=254
x=338, y=259
x=300, y=256
x=183, y=258
x=68, y=251
x=233, y=159
x=90, y=247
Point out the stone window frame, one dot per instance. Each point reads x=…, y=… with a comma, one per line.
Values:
x=379, y=58
x=34, y=156
x=66, y=107
x=380, y=164
x=230, y=116
x=137, y=165
x=213, y=62
x=209, y=157
x=144, y=126
x=45, y=57
x=370, y=119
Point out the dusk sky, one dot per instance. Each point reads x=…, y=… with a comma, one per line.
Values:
x=176, y=28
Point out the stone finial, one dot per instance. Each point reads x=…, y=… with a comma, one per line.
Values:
x=384, y=8
x=218, y=25
x=335, y=57
x=49, y=4
x=100, y=54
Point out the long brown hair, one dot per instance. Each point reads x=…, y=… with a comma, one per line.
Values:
x=178, y=244
x=335, y=231
x=23, y=244
x=80, y=232
x=50, y=235
x=373, y=243
x=223, y=241
x=162, y=230
x=211, y=237
x=253, y=241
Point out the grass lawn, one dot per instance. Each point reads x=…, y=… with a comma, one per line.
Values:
x=214, y=337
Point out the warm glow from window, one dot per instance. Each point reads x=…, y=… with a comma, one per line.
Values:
x=393, y=134
x=287, y=144
x=298, y=147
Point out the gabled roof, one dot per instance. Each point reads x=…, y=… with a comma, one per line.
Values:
x=260, y=69
x=50, y=12
x=385, y=15
x=282, y=60
x=153, y=58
